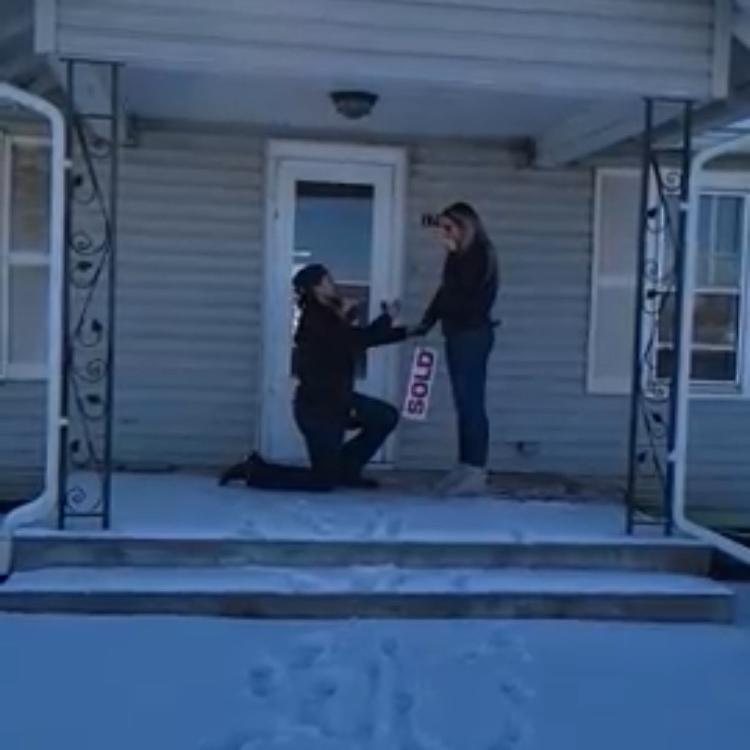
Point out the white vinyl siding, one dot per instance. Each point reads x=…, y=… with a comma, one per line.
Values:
x=541, y=418
x=579, y=47
x=188, y=354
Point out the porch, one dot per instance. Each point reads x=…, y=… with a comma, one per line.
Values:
x=189, y=196
x=187, y=506
x=510, y=90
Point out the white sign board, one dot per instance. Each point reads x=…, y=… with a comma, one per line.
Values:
x=423, y=369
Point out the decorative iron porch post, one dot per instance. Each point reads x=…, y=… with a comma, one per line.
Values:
x=657, y=344
x=89, y=312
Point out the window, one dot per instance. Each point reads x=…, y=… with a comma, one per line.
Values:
x=24, y=257
x=719, y=357
x=719, y=294
x=334, y=226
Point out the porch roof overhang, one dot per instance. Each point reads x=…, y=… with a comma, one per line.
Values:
x=553, y=47
x=721, y=118
x=20, y=64
x=565, y=73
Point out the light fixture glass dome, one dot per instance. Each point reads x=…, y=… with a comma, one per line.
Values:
x=354, y=105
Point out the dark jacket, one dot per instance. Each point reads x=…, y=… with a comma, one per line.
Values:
x=326, y=352
x=467, y=293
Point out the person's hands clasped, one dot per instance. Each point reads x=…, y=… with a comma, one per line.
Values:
x=417, y=331
x=391, y=309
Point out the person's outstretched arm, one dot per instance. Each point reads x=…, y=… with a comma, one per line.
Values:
x=431, y=315
x=378, y=333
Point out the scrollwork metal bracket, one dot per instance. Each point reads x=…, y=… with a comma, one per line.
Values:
x=89, y=305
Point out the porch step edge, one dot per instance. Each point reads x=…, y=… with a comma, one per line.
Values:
x=372, y=593
x=36, y=553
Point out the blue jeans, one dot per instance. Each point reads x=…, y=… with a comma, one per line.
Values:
x=332, y=459
x=467, y=353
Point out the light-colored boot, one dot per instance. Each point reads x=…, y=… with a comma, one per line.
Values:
x=472, y=482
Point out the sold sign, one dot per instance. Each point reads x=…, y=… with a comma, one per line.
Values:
x=422, y=376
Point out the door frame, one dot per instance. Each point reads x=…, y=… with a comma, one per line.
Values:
x=315, y=151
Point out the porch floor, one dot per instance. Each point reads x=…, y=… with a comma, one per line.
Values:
x=179, y=506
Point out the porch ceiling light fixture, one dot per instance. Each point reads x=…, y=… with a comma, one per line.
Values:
x=354, y=105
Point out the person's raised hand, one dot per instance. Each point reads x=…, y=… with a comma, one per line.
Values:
x=349, y=308
x=391, y=309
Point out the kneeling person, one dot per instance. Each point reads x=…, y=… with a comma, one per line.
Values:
x=326, y=404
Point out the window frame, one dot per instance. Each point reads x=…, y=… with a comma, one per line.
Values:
x=732, y=184
x=20, y=259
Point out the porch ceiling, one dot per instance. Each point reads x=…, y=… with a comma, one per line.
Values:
x=407, y=110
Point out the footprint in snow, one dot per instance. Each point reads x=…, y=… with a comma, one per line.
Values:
x=516, y=693
x=370, y=529
x=393, y=528
x=313, y=704
x=389, y=647
x=305, y=655
x=249, y=529
x=235, y=741
x=515, y=736
x=505, y=641
x=461, y=582
x=262, y=680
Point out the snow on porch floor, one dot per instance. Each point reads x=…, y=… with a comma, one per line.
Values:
x=174, y=505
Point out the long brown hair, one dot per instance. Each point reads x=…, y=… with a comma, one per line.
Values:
x=465, y=216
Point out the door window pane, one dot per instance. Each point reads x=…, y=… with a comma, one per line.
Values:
x=333, y=225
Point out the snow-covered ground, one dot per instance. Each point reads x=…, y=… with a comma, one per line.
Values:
x=192, y=684
x=77, y=683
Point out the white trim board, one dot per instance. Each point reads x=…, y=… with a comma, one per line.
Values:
x=45, y=25
x=337, y=157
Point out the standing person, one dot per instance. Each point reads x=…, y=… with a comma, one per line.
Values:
x=326, y=405
x=463, y=305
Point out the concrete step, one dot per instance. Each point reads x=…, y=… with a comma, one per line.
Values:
x=369, y=592
x=102, y=551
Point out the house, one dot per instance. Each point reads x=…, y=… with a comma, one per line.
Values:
x=234, y=163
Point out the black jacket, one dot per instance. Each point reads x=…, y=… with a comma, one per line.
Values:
x=467, y=292
x=326, y=352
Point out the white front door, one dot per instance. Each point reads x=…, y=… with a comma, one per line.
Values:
x=334, y=205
